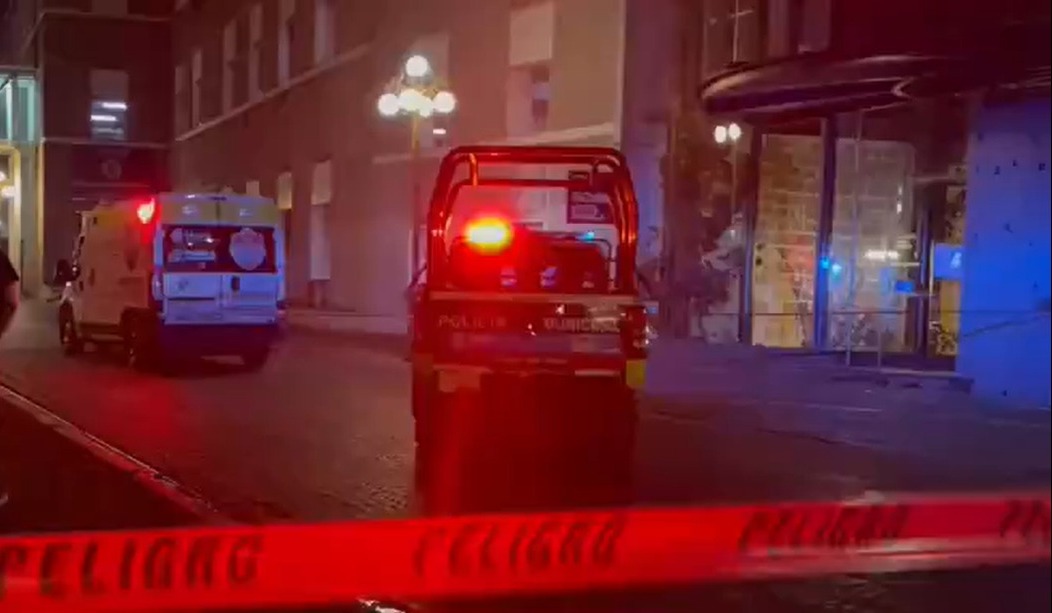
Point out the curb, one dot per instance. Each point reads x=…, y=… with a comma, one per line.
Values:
x=143, y=474
x=394, y=344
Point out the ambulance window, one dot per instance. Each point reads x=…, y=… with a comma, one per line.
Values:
x=194, y=248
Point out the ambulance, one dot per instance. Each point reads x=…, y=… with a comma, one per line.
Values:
x=175, y=275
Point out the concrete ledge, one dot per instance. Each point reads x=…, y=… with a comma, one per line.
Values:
x=341, y=321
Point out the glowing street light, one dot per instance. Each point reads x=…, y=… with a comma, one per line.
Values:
x=388, y=105
x=721, y=134
x=445, y=102
x=417, y=67
x=407, y=95
x=408, y=100
x=734, y=131
x=419, y=94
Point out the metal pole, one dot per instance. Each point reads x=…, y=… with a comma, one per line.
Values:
x=666, y=306
x=735, y=204
x=750, y=216
x=820, y=331
x=414, y=170
x=856, y=235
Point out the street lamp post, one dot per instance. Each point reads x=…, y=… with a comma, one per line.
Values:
x=416, y=93
x=732, y=133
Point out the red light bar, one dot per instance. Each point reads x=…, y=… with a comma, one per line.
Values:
x=490, y=233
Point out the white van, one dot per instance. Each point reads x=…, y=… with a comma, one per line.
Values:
x=176, y=274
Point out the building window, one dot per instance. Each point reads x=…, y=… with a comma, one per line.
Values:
x=196, y=70
x=320, y=200
x=530, y=52
x=255, y=51
x=284, y=200
x=540, y=96
x=110, y=7
x=529, y=99
x=286, y=21
x=17, y=110
x=798, y=26
x=732, y=34
x=229, y=57
x=320, y=263
x=109, y=104
x=324, y=30
x=182, y=119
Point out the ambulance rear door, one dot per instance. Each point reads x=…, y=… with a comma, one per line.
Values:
x=252, y=280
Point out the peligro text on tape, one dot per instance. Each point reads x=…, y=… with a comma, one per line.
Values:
x=498, y=555
x=1029, y=519
x=133, y=562
x=525, y=545
x=829, y=527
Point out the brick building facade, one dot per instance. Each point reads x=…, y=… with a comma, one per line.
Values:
x=280, y=97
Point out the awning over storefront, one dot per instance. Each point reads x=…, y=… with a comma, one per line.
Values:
x=823, y=83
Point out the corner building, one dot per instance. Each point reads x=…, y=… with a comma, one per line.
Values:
x=86, y=107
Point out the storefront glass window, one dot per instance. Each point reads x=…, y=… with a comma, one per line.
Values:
x=18, y=134
x=790, y=186
x=900, y=188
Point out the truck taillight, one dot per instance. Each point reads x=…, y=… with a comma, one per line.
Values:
x=634, y=329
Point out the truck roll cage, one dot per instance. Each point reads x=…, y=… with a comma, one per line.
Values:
x=608, y=172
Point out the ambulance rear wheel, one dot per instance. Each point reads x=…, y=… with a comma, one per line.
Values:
x=72, y=344
x=139, y=352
